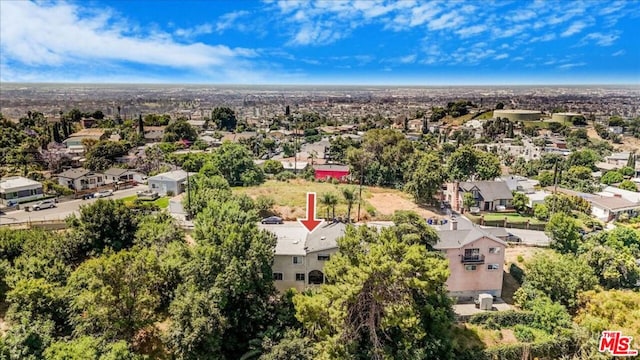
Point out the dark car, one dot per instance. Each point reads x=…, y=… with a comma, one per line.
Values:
x=513, y=238
x=272, y=220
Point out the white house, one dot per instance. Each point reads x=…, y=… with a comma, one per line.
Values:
x=172, y=181
x=81, y=179
x=17, y=189
x=609, y=208
x=625, y=194
x=118, y=175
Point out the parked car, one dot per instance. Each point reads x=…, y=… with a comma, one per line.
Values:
x=474, y=210
x=272, y=220
x=44, y=204
x=513, y=238
x=103, y=193
x=501, y=208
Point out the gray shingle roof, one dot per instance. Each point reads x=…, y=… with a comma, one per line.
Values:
x=490, y=190
x=74, y=173
x=455, y=239
x=325, y=237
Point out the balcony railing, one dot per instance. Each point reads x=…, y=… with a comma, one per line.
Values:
x=473, y=259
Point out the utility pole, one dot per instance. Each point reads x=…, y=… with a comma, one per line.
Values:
x=188, y=197
x=360, y=191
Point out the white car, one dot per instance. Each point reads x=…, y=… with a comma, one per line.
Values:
x=103, y=193
x=44, y=204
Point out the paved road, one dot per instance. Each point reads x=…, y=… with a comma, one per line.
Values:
x=62, y=210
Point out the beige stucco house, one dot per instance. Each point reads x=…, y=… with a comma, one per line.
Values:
x=476, y=259
x=300, y=256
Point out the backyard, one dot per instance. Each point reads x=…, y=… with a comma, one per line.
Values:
x=511, y=218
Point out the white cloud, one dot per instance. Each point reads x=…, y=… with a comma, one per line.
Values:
x=570, y=65
x=574, y=28
x=449, y=20
x=228, y=20
x=612, y=8
x=471, y=31
x=501, y=56
x=545, y=37
x=600, y=39
x=57, y=35
x=619, y=53
x=408, y=59
x=195, y=31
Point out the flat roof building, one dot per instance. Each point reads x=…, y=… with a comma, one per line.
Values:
x=517, y=115
x=17, y=189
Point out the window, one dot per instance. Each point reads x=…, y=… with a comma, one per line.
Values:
x=471, y=252
x=298, y=260
x=493, y=267
x=470, y=267
x=494, y=250
x=299, y=277
x=323, y=257
x=277, y=276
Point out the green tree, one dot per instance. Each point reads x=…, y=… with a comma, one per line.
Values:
x=462, y=163
x=224, y=118
x=350, y=196
x=560, y=277
x=28, y=338
x=330, y=200
x=468, y=200
x=615, y=266
x=628, y=185
x=611, y=177
x=545, y=178
x=272, y=167
x=105, y=224
x=235, y=162
x=386, y=299
x=562, y=229
x=426, y=179
x=179, y=130
x=157, y=230
x=292, y=343
x=541, y=211
x=488, y=166
x=115, y=295
x=89, y=348
x=520, y=202
x=103, y=155
x=413, y=229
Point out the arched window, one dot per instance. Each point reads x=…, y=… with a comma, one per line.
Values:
x=316, y=277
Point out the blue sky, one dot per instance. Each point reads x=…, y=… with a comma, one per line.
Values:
x=327, y=42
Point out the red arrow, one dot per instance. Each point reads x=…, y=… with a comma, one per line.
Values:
x=311, y=223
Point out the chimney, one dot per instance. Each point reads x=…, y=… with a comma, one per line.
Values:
x=454, y=224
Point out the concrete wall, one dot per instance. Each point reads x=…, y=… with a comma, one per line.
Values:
x=463, y=282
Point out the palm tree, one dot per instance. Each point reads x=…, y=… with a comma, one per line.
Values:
x=330, y=200
x=350, y=196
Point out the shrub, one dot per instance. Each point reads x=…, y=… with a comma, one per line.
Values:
x=516, y=271
x=520, y=258
x=285, y=175
x=502, y=319
x=523, y=333
x=170, y=193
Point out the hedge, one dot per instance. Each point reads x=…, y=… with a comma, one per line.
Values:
x=502, y=318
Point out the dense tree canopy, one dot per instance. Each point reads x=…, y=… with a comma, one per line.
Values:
x=224, y=118
x=385, y=299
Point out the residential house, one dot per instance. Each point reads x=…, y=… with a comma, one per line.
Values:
x=520, y=183
x=476, y=259
x=74, y=141
x=610, y=208
x=488, y=195
x=169, y=182
x=18, y=189
x=80, y=179
x=153, y=134
x=631, y=196
x=119, y=175
x=331, y=171
x=300, y=256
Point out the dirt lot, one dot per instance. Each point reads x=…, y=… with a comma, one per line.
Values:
x=290, y=199
x=387, y=203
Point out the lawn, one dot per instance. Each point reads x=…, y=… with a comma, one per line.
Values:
x=511, y=217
